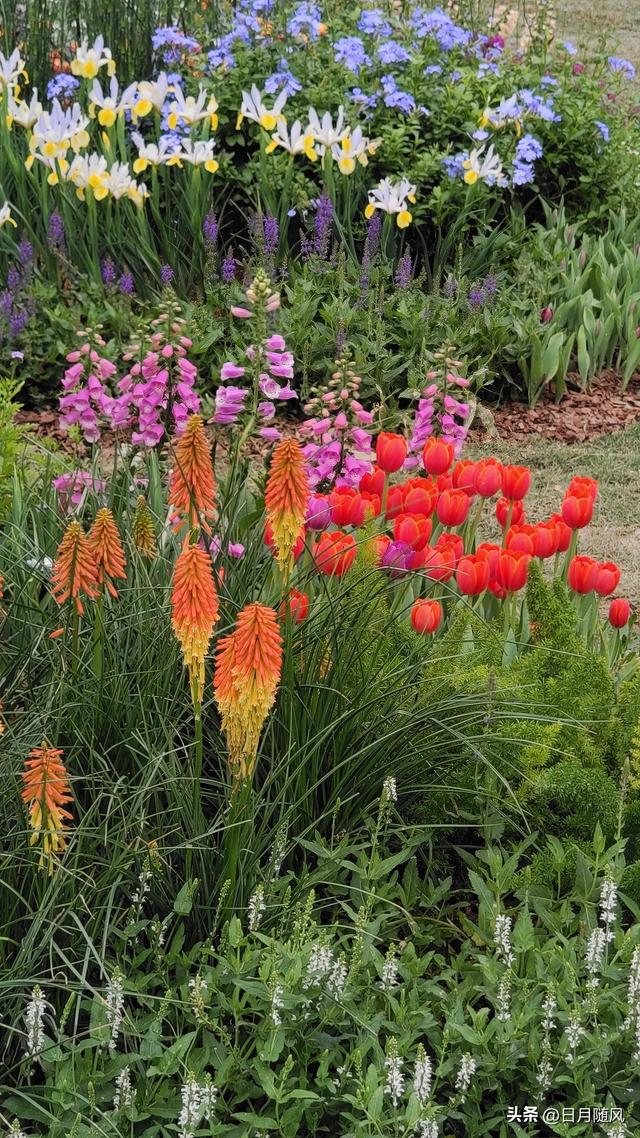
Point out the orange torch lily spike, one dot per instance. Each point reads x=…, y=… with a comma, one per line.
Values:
x=74, y=571
x=192, y=489
x=106, y=547
x=247, y=674
x=286, y=499
x=46, y=793
x=194, y=601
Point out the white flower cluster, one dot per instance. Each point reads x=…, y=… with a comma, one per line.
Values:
x=503, y=1000
x=123, y=1098
x=277, y=1004
x=394, y=1085
x=389, y=790
x=389, y=978
x=633, y=1002
x=34, y=1022
x=114, y=1007
x=256, y=908
x=573, y=1034
x=422, y=1076
x=323, y=967
x=198, y=1103
x=608, y=901
x=466, y=1071
x=594, y=955
x=502, y=938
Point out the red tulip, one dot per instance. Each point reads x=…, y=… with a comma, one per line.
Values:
x=491, y=554
x=298, y=547
x=516, y=481
x=608, y=578
x=391, y=451
x=521, y=538
x=439, y=562
x=546, y=538
x=580, y=485
x=437, y=456
x=619, y=612
x=472, y=575
x=395, y=502
x=453, y=507
x=371, y=504
x=335, y=553
x=518, y=516
x=546, y=314
x=513, y=566
x=297, y=604
x=381, y=542
x=488, y=477
x=413, y=529
x=582, y=576
x=564, y=532
x=419, y=496
x=426, y=616
x=347, y=506
x=577, y=512
x=453, y=540
x=372, y=482
x=463, y=476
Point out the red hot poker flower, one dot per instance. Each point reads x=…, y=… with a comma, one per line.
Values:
x=106, y=547
x=192, y=489
x=46, y=793
x=75, y=570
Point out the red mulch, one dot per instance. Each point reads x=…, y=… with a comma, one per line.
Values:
x=582, y=415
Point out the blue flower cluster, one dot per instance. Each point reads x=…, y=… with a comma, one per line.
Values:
x=440, y=27
x=282, y=78
x=62, y=86
x=350, y=51
x=528, y=149
x=172, y=43
x=393, y=96
x=373, y=22
x=306, y=20
x=622, y=65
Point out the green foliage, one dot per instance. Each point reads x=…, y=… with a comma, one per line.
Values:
x=315, y=1007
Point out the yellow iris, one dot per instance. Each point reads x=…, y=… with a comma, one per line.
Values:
x=268, y=121
x=211, y=166
x=107, y=116
x=142, y=108
x=369, y=211
x=139, y=165
x=470, y=177
x=403, y=219
x=346, y=165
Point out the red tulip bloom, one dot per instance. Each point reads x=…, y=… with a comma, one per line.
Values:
x=580, y=485
x=546, y=538
x=563, y=530
x=518, y=516
x=391, y=451
x=513, y=566
x=451, y=539
x=472, y=575
x=419, y=496
x=372, y=482
x=619, y=612
x=371, y=504
x=381, y=542
x=335, y=553
x=490, y=552
x=577, y=510
x=583, y=574
x=608, y=578
x=453, y=507
x=395, y=502
x=347, y=506
x=488, y=477
x=498, y=590
x=521, y=538
x=297, y=605
x=426, y=616
x=463, y=476
x=413, y=529
x=297, y=549
x=439, y=562
x=516, y=481
x=437, y=456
